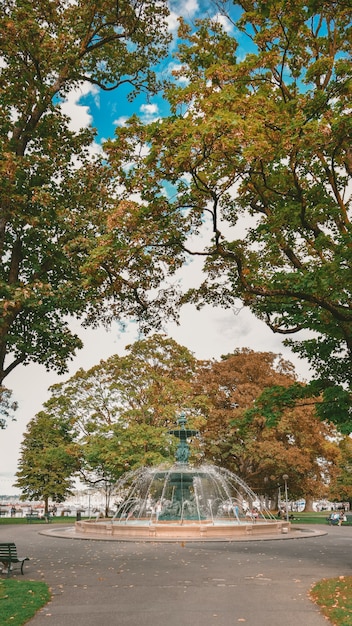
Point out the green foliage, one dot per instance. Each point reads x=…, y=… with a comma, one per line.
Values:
x=256, y=160
x=147, y=385
x=54, y=196
x=21, y=599
x=253, y=416
x=341, y=486
x=121, y=409
x=273, y=401
x=336, y=407
x=7, y=406
x=107, y=457
x=333, y=403
x=49, y=459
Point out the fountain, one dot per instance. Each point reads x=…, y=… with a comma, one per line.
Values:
x=184, y=502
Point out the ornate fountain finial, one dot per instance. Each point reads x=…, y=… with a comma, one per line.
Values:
x=183, y=433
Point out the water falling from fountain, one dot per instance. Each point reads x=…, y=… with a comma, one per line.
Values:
x=183, y=501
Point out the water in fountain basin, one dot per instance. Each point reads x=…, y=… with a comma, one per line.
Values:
x=185, y=493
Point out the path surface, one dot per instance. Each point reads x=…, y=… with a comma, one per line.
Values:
x=193, y=584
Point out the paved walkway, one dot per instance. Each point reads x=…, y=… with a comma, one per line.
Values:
x=255, y=582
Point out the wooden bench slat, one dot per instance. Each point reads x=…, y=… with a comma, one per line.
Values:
x=8, y=556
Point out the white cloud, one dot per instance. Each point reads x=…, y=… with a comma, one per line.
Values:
x=181, y=8
x=80, y=116
x=224, y=21
x=149, y=113
x=172, y=21
x=149, y=109
x=121, y=121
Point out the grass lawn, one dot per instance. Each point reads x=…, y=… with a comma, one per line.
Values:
x=23, y=520
x=299, y=518
x=310, y=517
x=21, y=599
x=334, y=598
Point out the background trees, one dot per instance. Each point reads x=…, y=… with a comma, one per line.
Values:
x=256, y=159
x=298, y=444
x=122, y=408
x=146, y=386
x=341, y=486
x=49, y=460
x=256, y=150
x=116, y=416
x=55, y=200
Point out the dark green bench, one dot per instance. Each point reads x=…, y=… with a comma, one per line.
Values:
x=34, y=517
x=8, y=557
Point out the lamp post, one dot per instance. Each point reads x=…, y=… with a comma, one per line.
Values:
x=89, y=490
x=285, y=478
x=279, y=497
x=266, y=498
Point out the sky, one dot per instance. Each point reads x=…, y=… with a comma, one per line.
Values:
x=208, y=333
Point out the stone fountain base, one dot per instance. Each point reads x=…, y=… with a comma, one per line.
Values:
x=204, y=530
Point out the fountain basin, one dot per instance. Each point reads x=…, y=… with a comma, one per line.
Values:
x=203, y=530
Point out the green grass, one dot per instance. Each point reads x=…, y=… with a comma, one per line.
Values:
x=22, y=520
x=300, y=518
x=21, y=599
x=334, y=598
x=315, y=518
x=311, y=517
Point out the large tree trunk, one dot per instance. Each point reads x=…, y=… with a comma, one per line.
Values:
x=274, y=501
x=309, y=504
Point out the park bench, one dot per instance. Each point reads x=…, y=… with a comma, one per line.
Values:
x=34, y=517
x=334, y=518
x=8, y=556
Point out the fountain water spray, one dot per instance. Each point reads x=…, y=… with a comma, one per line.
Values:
x=184, y=502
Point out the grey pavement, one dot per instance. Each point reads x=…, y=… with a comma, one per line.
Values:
x=118, y=583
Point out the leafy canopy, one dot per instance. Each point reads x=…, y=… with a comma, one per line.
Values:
x=49, y=460
x=246, y=442
x=55, y=199
x=122, y=408
x=252, y=171
x=120, y=412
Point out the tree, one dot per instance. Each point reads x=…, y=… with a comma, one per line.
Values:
x=109, y=453
x=119, y=414
x=123, y=408
x=49, y=460
x=55, y=198
x=232, y=386
x=149, y=385
x=298, y=444
x=341, y=486
x=257, y=151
